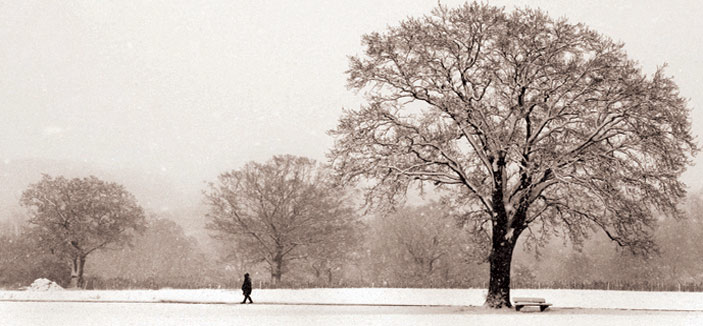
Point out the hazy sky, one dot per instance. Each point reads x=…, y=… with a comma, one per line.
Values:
x=192, y=88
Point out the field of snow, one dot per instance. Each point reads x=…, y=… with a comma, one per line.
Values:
x=678, y=301
x=339, y=307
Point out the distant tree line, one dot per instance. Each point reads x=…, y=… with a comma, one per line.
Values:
x=411, y=246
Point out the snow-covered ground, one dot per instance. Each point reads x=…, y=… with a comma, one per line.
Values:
x=343, y=307
x=381, y=296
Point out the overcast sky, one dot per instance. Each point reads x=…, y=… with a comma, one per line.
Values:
x=192, y=88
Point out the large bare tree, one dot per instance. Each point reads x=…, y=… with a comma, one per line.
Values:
x=76, y=217
x=526, y=122
x=279, y=211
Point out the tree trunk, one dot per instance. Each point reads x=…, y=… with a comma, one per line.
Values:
x=502, y=244
x=318, y=272
x=77, y=266
x=277, y=269
x=499, y=284
x=74, y=273
x=81, y=269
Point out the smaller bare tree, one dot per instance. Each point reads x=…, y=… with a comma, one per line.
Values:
x=73, y=218
x=279, y=211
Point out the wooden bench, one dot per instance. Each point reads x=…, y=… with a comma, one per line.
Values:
x=521, y=302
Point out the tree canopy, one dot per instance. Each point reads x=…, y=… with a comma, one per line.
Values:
x=523, y=121
x=280, y=211
x=73, y=218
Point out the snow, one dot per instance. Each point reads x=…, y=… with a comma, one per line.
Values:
x=79, y=314
x=42, y=284
x=371, y=306
x=594, y=299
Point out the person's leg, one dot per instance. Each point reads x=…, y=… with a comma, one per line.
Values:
x=249, y=296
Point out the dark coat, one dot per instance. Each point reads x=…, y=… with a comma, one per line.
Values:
x=246, y=287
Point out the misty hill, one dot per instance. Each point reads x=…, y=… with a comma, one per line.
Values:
x=156, y=192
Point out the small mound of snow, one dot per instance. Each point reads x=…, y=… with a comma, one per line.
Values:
x=42, y=284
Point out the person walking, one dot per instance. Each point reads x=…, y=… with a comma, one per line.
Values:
x=246, y=288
